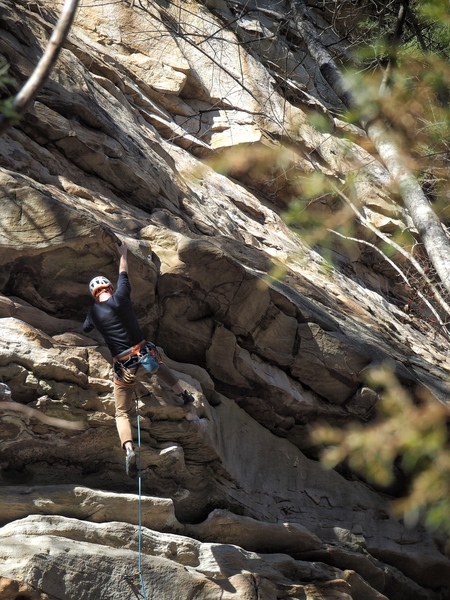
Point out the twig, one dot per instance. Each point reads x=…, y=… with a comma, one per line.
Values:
x=442, y=303
x=399, y=271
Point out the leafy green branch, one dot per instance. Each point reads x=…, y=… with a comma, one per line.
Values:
x=411, y=436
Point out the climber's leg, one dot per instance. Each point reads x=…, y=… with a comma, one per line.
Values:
x=166, y=375
x=123, y=396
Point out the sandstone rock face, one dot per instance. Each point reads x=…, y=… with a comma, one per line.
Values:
x=233, y=503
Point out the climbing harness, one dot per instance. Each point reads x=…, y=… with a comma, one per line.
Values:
x=126, y=364
x=129, y=578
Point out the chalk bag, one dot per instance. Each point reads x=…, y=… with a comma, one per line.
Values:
x=149, y=363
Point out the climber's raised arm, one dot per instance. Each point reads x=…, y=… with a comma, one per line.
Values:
x=123, y=262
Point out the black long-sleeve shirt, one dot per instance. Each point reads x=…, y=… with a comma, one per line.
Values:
x=115, y=319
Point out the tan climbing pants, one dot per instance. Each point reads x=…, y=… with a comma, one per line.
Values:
x=123, y=397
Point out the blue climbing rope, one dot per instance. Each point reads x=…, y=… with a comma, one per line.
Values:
x=141, y=579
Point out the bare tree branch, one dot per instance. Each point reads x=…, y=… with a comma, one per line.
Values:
x=43, y=69
x=37, y=414
x=416, y=28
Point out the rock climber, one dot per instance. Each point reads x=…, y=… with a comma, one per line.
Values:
x=114, y=317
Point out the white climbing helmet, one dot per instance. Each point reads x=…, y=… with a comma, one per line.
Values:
x=99, y=284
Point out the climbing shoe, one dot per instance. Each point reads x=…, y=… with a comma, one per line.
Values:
x=187, y=397
x=130, y=464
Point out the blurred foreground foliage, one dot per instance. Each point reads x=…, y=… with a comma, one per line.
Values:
x=7, y=85
x=413, y=436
